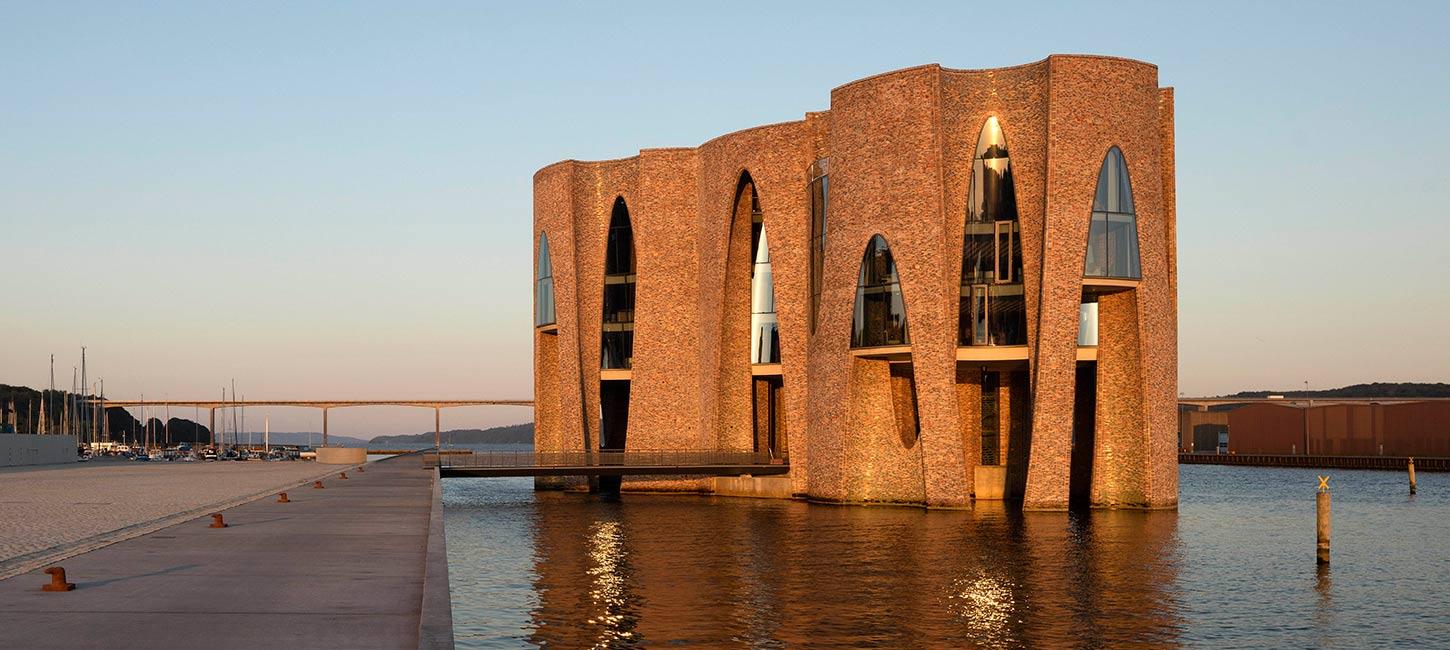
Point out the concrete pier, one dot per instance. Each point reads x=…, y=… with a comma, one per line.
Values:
x=358, y=565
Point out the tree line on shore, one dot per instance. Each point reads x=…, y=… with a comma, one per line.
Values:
x=23, y=406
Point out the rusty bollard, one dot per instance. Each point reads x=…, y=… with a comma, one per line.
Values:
x=57, y=580
x=317, y=485
x=342, y=476
x=216, y=521
x=282, y=498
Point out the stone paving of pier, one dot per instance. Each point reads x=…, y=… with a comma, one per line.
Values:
x=340, y=567
x=52, y=510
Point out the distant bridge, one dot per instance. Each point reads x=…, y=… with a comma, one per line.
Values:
x=212, y=405
x=608, y=463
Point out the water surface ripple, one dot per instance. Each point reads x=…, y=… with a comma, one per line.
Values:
x=1234, y=567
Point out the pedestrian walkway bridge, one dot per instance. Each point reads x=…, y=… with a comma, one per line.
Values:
x=607, y=463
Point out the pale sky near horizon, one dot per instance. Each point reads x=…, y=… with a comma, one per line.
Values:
x=334, y=200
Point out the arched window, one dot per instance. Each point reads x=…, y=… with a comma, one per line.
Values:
x=880, y=314
x=992, y=309
x=617, y=340
x=764, y=328
x=820, y=187
x=1112, y=250
x=544, y=285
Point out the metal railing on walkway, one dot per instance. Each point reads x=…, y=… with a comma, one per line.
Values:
x=1426, y=464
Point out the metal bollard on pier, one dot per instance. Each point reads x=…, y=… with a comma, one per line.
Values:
x=217, y=521
x=282, y=498
x=57, y=580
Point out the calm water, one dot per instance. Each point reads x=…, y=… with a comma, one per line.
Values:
x=1234, y=567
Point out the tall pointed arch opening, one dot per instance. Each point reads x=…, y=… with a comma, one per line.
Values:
x=879, y=316
x=1112, y=249
x=993, y=310
x=617, y=332
x=878, y=320
x=752, y=267
x=544, y=312
x=819, y=186
x=617, y=347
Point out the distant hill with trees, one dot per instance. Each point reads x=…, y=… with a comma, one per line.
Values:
x=511, y=434
x=118, y=421
x=1396, y=390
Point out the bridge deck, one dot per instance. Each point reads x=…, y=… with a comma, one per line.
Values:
x=608, y=463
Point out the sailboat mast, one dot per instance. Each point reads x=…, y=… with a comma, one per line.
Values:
x=236, y=432
x=81, y=414
x=51, y=396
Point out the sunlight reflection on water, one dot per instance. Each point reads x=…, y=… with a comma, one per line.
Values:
x=1233, y=568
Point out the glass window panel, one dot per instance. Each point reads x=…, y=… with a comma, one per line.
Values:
x=1007, y=315
x=1113, y=236
x=544, y=285
x=819, y=187
x=979, y=315
x=1087, y=324
x=764, y=331
x=1006, y=235
x=879, y=315
x=617, y=349
x=1097, y=250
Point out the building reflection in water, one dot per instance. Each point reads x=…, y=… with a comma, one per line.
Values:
x=662, y=570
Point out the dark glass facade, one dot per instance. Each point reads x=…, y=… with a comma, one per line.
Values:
x=992, y=307
x=879, y=317
x=820, y=190
x=1112, y=250
x=617, y=336
x=544, y=285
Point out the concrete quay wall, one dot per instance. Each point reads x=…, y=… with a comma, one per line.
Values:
x=26, y=449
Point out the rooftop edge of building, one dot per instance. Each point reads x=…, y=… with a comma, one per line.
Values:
x=875, y=78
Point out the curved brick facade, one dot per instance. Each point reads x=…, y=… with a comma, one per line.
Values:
x=901, y=146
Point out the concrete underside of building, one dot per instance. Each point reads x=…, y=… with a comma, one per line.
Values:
x=1045, y=421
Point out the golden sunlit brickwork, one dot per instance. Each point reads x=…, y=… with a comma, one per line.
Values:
x=901, y=424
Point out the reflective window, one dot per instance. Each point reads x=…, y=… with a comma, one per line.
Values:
x=617, y=340
x=820, y=207
x=992, y=310
x=764, y=329
x=1112, y=250
x=879, y=317
x=544, y=285
x=1087, y=324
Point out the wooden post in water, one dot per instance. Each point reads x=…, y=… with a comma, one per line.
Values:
x=1412, y=475
x=1322, y=525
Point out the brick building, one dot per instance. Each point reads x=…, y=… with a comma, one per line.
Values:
x=951, y=285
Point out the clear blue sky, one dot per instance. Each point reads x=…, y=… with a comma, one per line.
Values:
x=333, y=199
